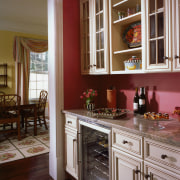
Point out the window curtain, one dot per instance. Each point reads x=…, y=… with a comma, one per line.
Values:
x=21, y=53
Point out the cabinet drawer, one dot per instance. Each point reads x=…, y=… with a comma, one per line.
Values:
x=127, y=142
x=71, y=121
x=162, y=154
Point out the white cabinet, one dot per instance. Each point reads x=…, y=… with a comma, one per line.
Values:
x=71, y=160
x=176, y=34
x=127, y=26
x=125, y=167
x=127, y=162
x=162, y=36
x=94, y=36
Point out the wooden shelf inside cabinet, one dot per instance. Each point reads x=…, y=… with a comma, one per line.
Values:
x=129, y=19
x=3, y=75
x=120, y=3
x=128, y=50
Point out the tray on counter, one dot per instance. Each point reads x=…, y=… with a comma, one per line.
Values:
x=109, y=113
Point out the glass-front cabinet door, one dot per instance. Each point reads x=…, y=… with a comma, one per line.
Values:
x=158, y=35
x=176, y=34
x=94, y=36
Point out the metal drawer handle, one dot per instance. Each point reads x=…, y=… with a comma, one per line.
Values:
x=125, y=142
x=69, y=122
x=147, y=176
x=137, y=171
x=163, y=156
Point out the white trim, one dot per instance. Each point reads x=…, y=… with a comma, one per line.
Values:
x=56, y=93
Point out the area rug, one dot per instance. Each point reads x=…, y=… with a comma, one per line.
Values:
x=11, y=149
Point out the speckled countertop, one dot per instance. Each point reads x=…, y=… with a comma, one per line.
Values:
x=137, y=125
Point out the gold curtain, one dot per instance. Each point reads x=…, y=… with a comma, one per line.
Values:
x=21, y=53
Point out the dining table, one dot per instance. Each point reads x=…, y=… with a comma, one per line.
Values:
x=29, y=107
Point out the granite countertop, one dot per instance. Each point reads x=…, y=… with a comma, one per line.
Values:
x=136, y=124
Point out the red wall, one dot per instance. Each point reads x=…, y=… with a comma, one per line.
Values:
x=162, y=90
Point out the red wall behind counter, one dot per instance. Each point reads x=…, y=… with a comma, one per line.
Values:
x=163, y=89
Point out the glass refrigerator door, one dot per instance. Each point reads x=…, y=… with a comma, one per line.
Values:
x=95, y=154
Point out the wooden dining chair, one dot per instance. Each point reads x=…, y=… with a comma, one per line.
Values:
x=10, y=112
x=40, y=112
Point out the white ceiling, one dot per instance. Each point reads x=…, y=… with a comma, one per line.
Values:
x=27, y=16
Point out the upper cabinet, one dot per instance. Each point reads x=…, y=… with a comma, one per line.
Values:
x=162, y=35
x=94, y=37
x=144, y=36
x=176, y=34
x=127, y=24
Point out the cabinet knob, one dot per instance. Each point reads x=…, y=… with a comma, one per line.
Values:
x=165, y=57
x=163, y=156
x=90, y=66
x=176, y=57
x=137, y=171
x=94, y=65
x=125, y=142
x=147, y=176
x=69, y=122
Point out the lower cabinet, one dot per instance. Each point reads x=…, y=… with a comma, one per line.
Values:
x=71, y=152
x=153, y=172
x=125, y=167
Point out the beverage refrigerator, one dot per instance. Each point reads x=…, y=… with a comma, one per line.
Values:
x=94, y=153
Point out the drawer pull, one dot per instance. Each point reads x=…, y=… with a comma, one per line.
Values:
x=125, y=142
x=147, y=176
x=176, y=57
x=163, y=156
x=137, y=171
x=69, y=122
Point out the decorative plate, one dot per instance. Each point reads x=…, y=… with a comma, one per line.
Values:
x=132, y=35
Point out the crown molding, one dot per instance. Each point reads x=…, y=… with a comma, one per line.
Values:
x=24, y=27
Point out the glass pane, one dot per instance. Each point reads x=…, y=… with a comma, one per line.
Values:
x=153, y=52
x=87, y=6
x=98, y=60
x=40, y=85
x=102, y=59
x=102, y=40
x=87, y=40
x=97, y=23
x=45, y=77
x=101, y=21
x=97, y=41
x=40, y=77
x=159, y=4
x=97, y=6
x=32, y=77
x=32, y=85
x=84, y=11
x=160, y=50
x=87, y=27
x=45, y=67
x=38, y=67
x=84, y=26
x=160, y=24
x=152, y=26
x=152, y=6
x=32, y=94
x=101, y=5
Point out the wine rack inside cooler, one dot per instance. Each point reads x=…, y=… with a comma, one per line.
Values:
x=95, y=154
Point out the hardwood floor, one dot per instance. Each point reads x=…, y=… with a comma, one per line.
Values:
x=33, y=168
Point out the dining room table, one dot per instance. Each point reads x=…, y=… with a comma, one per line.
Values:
x=29, y=107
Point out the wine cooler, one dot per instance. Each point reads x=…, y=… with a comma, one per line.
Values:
x=94, y=154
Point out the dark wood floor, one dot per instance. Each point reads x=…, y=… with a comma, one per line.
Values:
x=33, y=168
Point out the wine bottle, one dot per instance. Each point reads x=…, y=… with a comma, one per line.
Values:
x=142, y=101
x=136, y=102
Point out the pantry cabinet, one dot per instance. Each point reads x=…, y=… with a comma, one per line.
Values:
x=94, y=36
x=71, y=160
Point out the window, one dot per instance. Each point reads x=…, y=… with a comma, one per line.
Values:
x=38, y=79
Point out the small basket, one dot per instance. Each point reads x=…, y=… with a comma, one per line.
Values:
x=133, y=64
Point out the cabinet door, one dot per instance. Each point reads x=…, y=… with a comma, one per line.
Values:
x=176, y=34
x=153, y=172
x=124, y=167
x=71, y=152
x=85, y=36
x=158, y=35
x=100, y=36
x=94, y=36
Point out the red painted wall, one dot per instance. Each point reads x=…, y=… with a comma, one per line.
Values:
x=162, y=90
